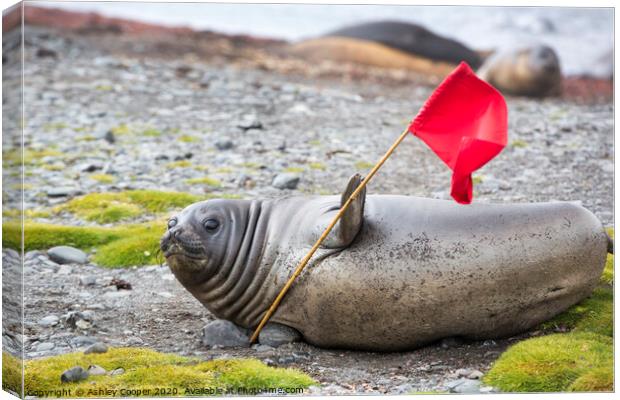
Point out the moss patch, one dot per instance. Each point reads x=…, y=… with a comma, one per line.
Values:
x=608, y=272
x=122, y=246
x=594, y=314
x=188, y=138
x=179, y=164
x=114, y=207
x=11, y=373
x=151, y=132
x=364, y=165
x=204, y=181
x=555, y=363
x=147, y=370
x=103, y=178
x=317, y=165
x=518, y=143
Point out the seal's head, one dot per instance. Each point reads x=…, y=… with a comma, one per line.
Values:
x=203, y=239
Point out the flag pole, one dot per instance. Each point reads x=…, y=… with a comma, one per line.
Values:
x=314, y=248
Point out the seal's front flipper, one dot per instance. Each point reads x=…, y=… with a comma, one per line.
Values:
x=275, y=335
x=351, y=221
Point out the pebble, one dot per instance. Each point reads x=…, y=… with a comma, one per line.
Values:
x=80, y=341
x=74, y=374
x=117, y=371
x=464, y=385
x=67, y=255
x=224, y=334
x=475, y=374
x=88, y=280
x=50, y=320
x=97, y=348
x=275, y=335
x=96, y=370
x=286, y=181
x=63, y=191
x=45, y=346
x=224, y=144
x=250, y=122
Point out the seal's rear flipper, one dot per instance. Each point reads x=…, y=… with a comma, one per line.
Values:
x=351, y=222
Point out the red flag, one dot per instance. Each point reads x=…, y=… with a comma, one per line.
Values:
x=465, y=122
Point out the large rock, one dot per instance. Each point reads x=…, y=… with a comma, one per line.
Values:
x=223, y=333
x=67, y=255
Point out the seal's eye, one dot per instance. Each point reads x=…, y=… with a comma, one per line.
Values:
x=211, y=224
x=172, y=222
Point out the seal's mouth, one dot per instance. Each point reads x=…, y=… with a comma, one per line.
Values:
x=178, y=250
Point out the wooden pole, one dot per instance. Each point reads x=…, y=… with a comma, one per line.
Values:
x=314, y=248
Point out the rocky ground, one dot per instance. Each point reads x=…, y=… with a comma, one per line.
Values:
x=152, y=123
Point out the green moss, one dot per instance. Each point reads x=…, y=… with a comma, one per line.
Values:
x=608, y=272
x=151, y=132
x=114, y=207
x=363, y=165
x=140, y=248
x=250, y=165
x=103, y=178
x=224, y=170
x=204, y=181
x=599, y=379
x=54, y=167
x=317, y=165
x=294, y=170
x=147, y=370
x=43, y=236
x=315, y=142
x=179, y=164
x=188, y=138
x=54, y=126
x=553, y=363
x=121, y=246
x=11, y=373
x=477, y=179
x=14, y=157
x=518, y=143
x=121, y=129
x=28, y=213
x=594, y=314
x=86, y=138
x=103, y=88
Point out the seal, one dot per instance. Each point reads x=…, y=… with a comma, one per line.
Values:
x=527, y=71
x=397, y=272
x=413, y=39
x=389, y=44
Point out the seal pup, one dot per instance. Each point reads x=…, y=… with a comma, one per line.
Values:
x=527, y=71
x=397, y=272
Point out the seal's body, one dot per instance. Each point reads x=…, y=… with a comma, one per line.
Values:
x=414, y=270
x=413, y=39
x=388, y=44
x=528, y=71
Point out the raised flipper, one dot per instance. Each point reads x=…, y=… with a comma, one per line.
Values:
x=351, y=222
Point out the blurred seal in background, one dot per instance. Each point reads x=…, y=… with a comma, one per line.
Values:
x=389, y=44
x=527, y=71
